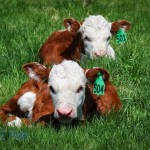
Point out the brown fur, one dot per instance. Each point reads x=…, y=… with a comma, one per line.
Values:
x=40, y=71
x=62, y=44
x=43, y=107
x=12, y=107
x=4, y=118
x=92, y=74
x=104, y=103
x=29, y=86
x=3, y=115
x=120, y=24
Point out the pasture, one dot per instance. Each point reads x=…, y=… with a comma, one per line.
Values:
x=24, y=27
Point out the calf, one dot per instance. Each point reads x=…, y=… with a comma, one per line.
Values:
x=22, y=104
x=65, y=92
x=90, y=37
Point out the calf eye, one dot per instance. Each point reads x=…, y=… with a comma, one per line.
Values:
x=79, y=89
x=52, y=89
x=87, y=38
x=108, y=38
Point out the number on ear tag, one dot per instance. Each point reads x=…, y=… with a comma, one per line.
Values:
x=121, y=37
x=99, y=85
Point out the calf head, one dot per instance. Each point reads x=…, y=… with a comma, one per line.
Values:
x=67, y=82
x=96, y=32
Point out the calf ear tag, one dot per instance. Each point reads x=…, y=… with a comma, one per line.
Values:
x=99, y=85
x=121, y=37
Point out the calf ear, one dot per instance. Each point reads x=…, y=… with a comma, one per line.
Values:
x=123, y=24
x=68, y=22
x=92, y=74
x=71, y=25
x=36, y=71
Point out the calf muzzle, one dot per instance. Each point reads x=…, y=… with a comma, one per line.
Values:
x=65, y=115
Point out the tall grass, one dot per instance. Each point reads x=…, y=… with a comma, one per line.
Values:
x=25, y=25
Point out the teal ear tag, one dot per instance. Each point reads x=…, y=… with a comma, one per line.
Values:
x=121, y=37
x=99, y=85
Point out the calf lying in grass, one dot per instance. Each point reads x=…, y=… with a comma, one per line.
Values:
x=90, y=37
x=65, y=91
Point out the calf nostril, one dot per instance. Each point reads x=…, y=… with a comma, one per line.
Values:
x=64, y=112
x=69, y=113
x=59, y=112
x=96, y=54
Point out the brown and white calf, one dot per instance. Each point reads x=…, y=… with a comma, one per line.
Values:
x=65, y=91
x=90, y=37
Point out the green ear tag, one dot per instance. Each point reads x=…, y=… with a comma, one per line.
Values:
x=99, y=85
x=121, y=37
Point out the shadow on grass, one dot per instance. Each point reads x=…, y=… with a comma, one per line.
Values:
x=56, y=125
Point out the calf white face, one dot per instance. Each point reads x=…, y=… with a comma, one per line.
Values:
x=96, y=34
x=67, y=87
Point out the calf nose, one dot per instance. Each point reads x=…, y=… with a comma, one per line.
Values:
x=64, y=112
x=100, y=53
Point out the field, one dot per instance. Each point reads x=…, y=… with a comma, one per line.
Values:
x=26, y=24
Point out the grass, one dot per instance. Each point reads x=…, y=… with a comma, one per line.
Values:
x=25, y=25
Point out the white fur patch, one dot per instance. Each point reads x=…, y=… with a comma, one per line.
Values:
x=67, y=69
x=95, y=22
x=110, y=52
x=33, y=75
x=69, y=28
x=95, y=32
x=26, y=102
x=15, y=123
